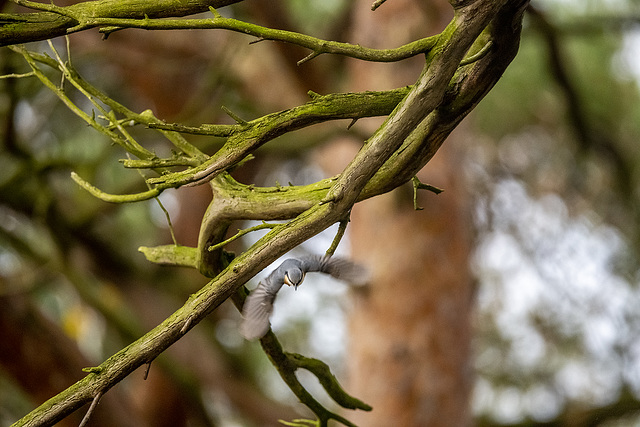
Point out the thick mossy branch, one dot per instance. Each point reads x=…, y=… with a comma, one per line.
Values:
x=321, y=108
x=55, y=21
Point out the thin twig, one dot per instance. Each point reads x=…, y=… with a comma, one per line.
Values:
x=308, y=57
x=417, y=185
x=239, y=120
x=166, y=212
x=17, y=76
x=338, y=237
x=146, y=371
x=241, y=233
x=92, y=408
x=376, y=4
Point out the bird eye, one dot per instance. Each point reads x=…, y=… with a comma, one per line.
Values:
x=287, y=281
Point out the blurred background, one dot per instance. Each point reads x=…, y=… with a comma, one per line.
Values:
x=511, y=299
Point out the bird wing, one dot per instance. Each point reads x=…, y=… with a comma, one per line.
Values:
x=339, y=268
x=256, y=311
x=258, y=306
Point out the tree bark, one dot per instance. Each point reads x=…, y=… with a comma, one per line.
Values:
x=409, y=349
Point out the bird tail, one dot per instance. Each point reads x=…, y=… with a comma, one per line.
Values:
x=256, y=312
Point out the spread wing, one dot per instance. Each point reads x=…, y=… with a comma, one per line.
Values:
x=339, y=268
x=258, y=306
x=256, y=312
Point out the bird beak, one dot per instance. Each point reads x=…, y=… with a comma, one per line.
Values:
x=295, y=287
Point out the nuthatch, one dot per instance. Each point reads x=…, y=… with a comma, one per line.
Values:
x=258, y=306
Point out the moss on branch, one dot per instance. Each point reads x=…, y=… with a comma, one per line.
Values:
x=83, y=16
x=176, y=255
x=316, y=45
x=54, y=21
x=287, y=364
x=328, y=381
x=255, y=133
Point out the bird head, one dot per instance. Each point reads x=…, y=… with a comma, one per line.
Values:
x=293, y=277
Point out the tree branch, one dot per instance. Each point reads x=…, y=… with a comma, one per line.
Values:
x=28, y=27
x=109, y=22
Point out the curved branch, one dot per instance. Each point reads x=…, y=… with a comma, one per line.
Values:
x=259, y=131
x=287, y=366
x=316, y=45
x=328, y=381
x=115, y=198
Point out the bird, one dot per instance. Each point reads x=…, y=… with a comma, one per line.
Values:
x=258, y=306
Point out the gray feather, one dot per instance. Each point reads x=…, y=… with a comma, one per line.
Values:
x=339, y=268
x=256, y=312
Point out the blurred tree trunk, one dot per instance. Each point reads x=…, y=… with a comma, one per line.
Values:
x=409, y=350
